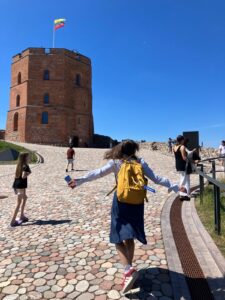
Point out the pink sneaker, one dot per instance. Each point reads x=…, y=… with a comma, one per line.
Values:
x=129, y=279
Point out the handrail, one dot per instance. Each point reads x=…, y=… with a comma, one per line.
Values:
x=210, y=158
x=210, y=179
x=217, y=187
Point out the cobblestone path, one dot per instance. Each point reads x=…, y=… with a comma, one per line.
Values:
x=63, y=252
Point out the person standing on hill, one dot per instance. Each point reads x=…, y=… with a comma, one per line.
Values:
x=70, y=158
x=20, y=186
x=170, y=145
x=183, y=167
x=222, y=153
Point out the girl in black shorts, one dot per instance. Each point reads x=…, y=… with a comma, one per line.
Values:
x=20, y=185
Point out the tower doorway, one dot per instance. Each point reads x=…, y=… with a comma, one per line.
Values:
x=74, y=141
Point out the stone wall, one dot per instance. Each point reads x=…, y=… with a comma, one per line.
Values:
x=163, y=148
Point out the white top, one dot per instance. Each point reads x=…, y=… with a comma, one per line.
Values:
x=222, y=150
x=113, y=166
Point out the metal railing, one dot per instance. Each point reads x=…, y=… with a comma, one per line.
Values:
x=217, y=188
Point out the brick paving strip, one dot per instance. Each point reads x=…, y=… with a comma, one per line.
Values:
x=209, y=257
x=193, y=253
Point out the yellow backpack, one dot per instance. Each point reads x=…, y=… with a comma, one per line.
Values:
x=131, y=182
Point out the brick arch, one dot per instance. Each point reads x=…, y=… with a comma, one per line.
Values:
x=46, y=75
x=17, y=100
x=19, y=78
x=46, y=98
x=44, y=117
x=15, y=121
x=78, y=79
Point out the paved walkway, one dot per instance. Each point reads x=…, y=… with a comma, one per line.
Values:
x=64, y=251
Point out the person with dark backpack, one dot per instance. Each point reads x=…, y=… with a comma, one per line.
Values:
x=127, y=213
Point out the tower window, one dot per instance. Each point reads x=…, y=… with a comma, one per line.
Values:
x=15, y=121
x=44, y=117
x=78, y=121
x=46, y=75
x=17, y=100
x=19, y=78
x=46, y=98
x=78, y=80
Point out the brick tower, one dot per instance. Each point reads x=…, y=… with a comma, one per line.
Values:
x=50, y=97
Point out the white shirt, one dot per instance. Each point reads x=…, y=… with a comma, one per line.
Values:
x=113, y=166
x=222, y=150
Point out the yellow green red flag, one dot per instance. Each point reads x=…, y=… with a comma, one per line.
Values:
x=58, y=23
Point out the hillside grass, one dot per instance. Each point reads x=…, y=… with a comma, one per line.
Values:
x=5, y=145
x=206, y=214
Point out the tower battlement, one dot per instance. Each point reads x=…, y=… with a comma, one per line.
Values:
x=51, y=51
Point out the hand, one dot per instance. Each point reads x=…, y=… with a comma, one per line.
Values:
x=72, y=184
x=174, y=188
x=182, y=189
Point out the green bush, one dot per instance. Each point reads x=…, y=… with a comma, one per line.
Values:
x=6, y=145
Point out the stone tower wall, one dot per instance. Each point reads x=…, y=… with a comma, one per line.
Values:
x=69, y=107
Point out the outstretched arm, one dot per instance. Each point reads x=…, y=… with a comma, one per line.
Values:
x=95, y=174
x=158, y=179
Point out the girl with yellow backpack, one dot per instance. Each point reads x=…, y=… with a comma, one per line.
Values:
x=127, y=213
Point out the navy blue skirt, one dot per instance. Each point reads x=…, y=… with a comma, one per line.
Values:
x=127, y=222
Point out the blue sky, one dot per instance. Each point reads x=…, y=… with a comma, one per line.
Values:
x=158, y=65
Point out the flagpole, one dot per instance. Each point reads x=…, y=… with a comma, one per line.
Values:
x=53, y=41
x=56, y=25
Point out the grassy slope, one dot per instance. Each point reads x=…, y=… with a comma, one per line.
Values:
x=6, y=145
x=206, y=214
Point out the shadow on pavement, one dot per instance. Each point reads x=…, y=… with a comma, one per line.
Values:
x=47, y=222
x=155, y=283
x=149, y=286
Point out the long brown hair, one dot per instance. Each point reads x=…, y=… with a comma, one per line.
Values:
x=125, y=149
x=22, y=160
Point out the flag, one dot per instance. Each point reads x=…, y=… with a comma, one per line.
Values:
x=58, y=23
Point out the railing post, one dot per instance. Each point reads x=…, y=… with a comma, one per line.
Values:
x=218, y=220
x=201, y=181
x=214, y=169
x=214, y=194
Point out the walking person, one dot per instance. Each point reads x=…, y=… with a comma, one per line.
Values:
x=70, y=158
x=183, y=167
x=127, y=218
x=20, y=186
x=222, y=153
x=170, y=145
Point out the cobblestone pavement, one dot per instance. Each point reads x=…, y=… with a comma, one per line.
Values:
x=63, y=252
